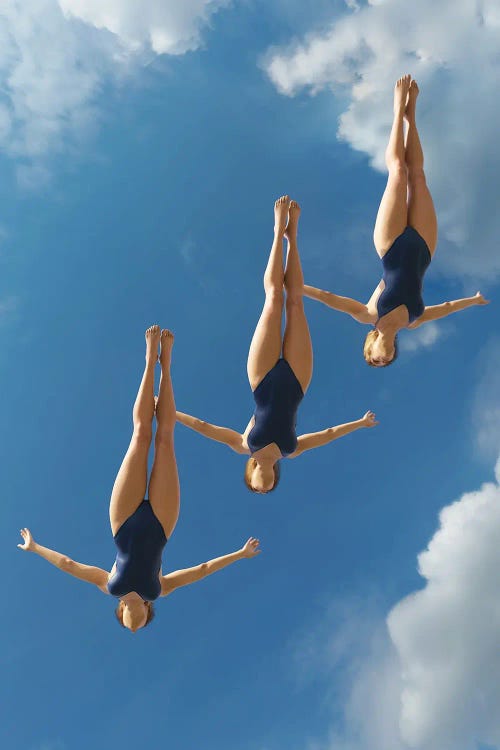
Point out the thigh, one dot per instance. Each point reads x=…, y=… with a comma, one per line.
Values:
x=392, y=216
x=130, y=484
x=164, y=491
x=265, y=348
x=297, y=345
x=421, y=211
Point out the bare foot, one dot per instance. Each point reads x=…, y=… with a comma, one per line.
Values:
x=401, y=94
x=167, y=342
x=411, y=104
x=293, y=220
x=152, y=340
x=281, y=214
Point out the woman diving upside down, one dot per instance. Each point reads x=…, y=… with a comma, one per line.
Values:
x=405, y=238
x=141, y=527
x=279, y=370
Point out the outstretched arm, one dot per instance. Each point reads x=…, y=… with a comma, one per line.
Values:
x=88, y=573
x=352, y=307
x=220, y=434
x=190, y=575
x=317, y=439
x=434, y=312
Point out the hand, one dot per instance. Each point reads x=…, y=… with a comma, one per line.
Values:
x=251, y=548
x=369, y=419
x=479, y=299
x=29, y=542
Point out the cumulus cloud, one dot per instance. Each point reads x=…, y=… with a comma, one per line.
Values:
x=451, y=48
x=429, y=676
x=448, y=635
x=167, y=26
x=56, y=57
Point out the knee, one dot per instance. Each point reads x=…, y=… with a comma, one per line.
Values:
x=143, y=434
x=294, y=300
x=165, y=436
x=416, y=175
x=397, y=167
x=274, y=295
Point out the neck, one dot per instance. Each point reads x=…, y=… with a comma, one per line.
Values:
x=265, y=462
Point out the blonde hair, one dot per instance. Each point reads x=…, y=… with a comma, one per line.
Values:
x=247, y=477
x=119, y=613
x=370, y=339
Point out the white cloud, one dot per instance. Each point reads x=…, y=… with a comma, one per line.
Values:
x=56, y=57
x=431, y=678
x=167, y=26
x=485, y=406
x=451, y=48
x=421, y=338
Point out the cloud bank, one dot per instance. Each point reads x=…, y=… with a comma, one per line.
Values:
x=451, y=48
x=56, y=57
x=167, y=26
x=429, y=676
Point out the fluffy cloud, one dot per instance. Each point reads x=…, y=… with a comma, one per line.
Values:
x=167, y=26
x=448, y=635
x=429, y=677
x=55, y=57
x=451, y=48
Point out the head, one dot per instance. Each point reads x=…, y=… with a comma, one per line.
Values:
x=134, y=615
x=261, y=478
x=380, y=350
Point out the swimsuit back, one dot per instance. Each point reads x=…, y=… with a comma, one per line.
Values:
x=140, y=542
x=277, y=398
x=405, y=264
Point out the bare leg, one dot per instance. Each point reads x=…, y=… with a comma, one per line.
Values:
x=164, y=493
x=130, y=484
x=392, y=217
x=297, y=346
x=265, y=348
x=421, y=212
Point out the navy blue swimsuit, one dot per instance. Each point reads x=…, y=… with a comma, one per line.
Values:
x=277, y=398
x=140, y=542
x=405, y=264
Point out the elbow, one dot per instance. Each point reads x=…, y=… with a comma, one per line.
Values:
x=204, y=571
x=65, y=563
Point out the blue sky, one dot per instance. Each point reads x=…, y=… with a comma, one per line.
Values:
x=157, y=208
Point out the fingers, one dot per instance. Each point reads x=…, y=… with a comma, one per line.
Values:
x=252, y=545
x=370, y=419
